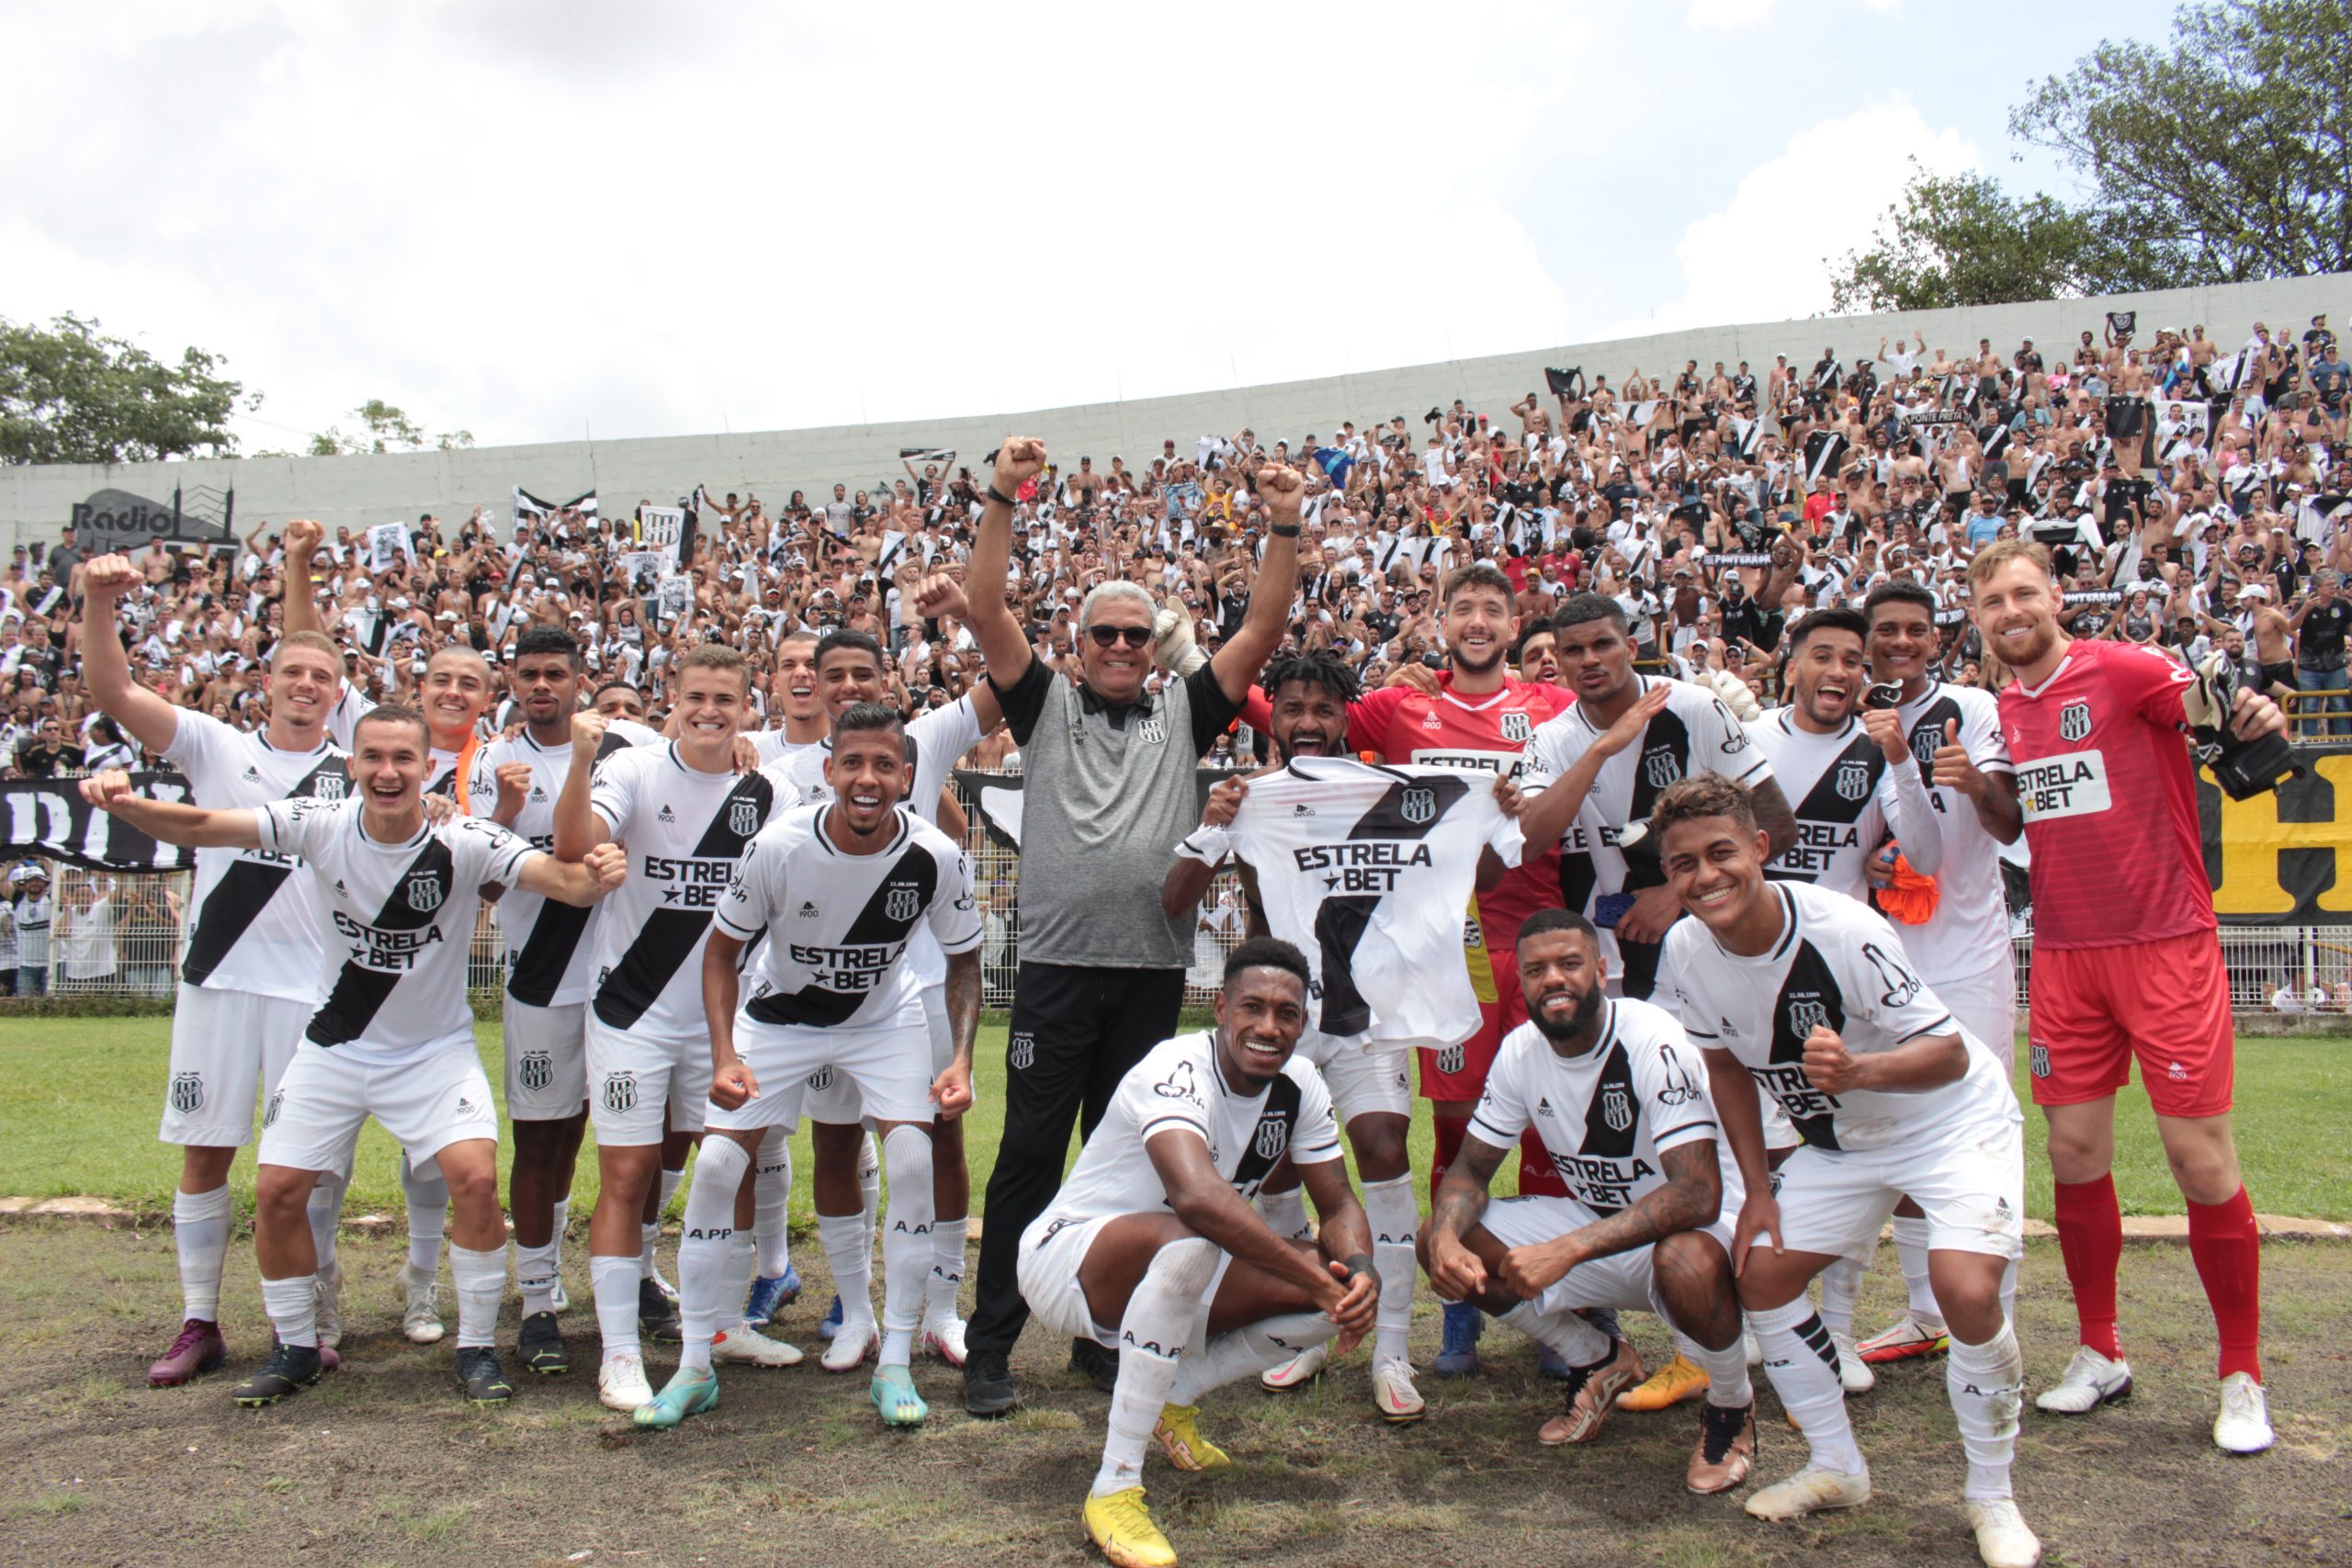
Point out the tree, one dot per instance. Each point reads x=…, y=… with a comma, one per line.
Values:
x=70, y=394
x=2225, y=157
x=388, y=429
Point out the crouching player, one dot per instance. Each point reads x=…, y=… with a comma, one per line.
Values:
x=1151, y=1246
x=1807, y=993
x=1619, y=1099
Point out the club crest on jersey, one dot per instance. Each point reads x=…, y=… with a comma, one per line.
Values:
x=1273, y=1137
x=2038, y=1059
x=1661, y=767
x=1450, y=1058
x=1516, y=729
x=1418, y=807
x=535, y=1070
x=1924, y=743
x=620, y=1092
x=821, y=1079
x=1152, y=732
x=425, y=893
x=902, y=902
x=1021, y=1050
x=2075, y=721
x=1616, y=1107
x=742, y=817
x=1853, y=781
x=187, y=1092
x=1804, y=1017
x=328, y=786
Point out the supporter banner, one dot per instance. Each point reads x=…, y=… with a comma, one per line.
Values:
x=388, y=547
x=660, y=528
x=677, y=596
x=926, y=454
x=1932, y=416
x=2283, y=858
x=48, y=817
x=1737, y=557
x=117, y=520
x=2092, y=596
x=530, y=508
x=642, y=570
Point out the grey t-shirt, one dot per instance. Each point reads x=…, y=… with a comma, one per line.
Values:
x=1108, y=794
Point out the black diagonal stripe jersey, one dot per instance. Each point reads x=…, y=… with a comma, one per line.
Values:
x=838, y=924
x=400, y=918
x=1841, y=791
x=685, y=831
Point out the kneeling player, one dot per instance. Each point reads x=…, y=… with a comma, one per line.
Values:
x=1612, y=1089
x=839, y=888
x=1807, y=993
x=1151, y=1246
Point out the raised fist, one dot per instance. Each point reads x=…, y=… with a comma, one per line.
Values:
x=587, y=734
x=302, y=540
x=1018, y=460
x=108, y=578
x=609, y=865
x=103, y=790
x=940, y=594
x=1283, y=489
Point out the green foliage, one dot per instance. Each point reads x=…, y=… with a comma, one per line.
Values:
x=384, y=428
x=2221, y=157
x=72, y=394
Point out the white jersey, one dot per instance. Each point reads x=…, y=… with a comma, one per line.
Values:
x=1846, y=800
x=838, y=924
x=449, y=771
x=32, y=917
x=684, y=830
x=549, y=947
x=1836, y=965
x=399, y=920
x=253, y=922
x=1606, y=1116
x=774, y=747
x=1368, y=871
x=1695, y=734
x=1968, y=932
x=936, y=742
x=1177, y=1086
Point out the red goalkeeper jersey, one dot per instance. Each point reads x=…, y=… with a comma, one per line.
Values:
x=2110, y=799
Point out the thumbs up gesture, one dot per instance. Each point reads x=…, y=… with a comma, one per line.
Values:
x=1954, y=769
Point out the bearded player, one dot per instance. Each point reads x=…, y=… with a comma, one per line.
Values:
x=2120, y=895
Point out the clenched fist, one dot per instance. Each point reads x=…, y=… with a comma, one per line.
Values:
x=108, y=578
x=1284, y=489
x=302, y=540
x=940, y=594
x=1017, y=461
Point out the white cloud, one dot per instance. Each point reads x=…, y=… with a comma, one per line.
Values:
x=1761, y=257
x=1726, y=16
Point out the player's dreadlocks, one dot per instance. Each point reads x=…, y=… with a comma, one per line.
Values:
x=1318, y=667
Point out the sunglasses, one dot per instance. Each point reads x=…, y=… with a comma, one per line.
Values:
x=1111, y=636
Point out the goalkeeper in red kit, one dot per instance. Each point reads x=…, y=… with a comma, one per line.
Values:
x=2126, y=964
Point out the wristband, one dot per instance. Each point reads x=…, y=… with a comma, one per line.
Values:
x=1358, y=1267
x=999, y=496
x=1282, y=533
x=1206, y=844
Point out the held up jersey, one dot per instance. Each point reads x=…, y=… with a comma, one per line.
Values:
x=1695, y=734
x=1837, y=966
x=1606, y=1116
x=253, y=923
x=1366, y=869
x=1847, y=801
x=1968, y=932
x=838, y=924
x=2109, y=798
x=549, y=950
x=1177, y=1087
x=685, y=831
x=400, y=918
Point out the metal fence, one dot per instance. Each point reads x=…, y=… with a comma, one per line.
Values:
x=119, y=935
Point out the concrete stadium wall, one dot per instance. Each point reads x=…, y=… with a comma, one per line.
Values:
x=36, y=501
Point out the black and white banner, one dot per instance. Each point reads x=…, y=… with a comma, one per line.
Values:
x=1823, y=450
x=1736, y=558
x=48, y=817
x=2092, y=596
x=926, y=454
x=530, y=508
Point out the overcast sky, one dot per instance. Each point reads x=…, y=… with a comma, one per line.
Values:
x=537, y=220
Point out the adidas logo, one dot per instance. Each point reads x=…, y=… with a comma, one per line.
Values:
x=340, y=890
x=807, y=912
x=1730, y=1029
x=1543, y=1105
x=538, y=793
x=667, y=814
x=465, y=1106
x=2177, y=1073
x=1298, y=811
x=253, y=775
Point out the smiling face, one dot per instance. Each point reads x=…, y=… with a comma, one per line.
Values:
x=1902, y=641
x=847, y=677
x=1259, y=1014
x=1116, y=672
x=867, y=771
x=1309, y=721
x=1829, y=677
x=711, y=703
x=455, y=693
x=301, y=684
x=2015, y=609
x=795, y=687
x=1564, y=979
x=1715, y=868
x=1478, y=626
x=389, y=759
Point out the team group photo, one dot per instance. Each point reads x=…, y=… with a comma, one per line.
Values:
x=1689, y=947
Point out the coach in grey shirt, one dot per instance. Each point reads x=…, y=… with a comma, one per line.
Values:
x=1108, y=790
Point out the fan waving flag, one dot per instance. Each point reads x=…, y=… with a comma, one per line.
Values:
x=530, y=508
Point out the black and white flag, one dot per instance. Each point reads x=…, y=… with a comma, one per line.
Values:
x=1823, y=450
x=927, y=453
x=48, y=817
x=530, y=508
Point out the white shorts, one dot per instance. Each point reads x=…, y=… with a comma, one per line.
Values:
x=1624, y=1281
x=833, y=1096
x=631, y=1076
x=1986, y=1006
x=546, y=1061
x=1052, y=1250
x=315, y=1112
x=229, y=1048
x=889, y=1066
x=1364, y=1077
x=1969, y=1181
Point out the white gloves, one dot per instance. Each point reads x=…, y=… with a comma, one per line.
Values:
x=2205, y=702
x=1734, y=694
x=1175, y=650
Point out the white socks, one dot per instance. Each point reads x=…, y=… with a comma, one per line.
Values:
x=615, y=1281
x=772, y=1201
x=848, y=1254
x=1986, y=1383
x=1803, y=1366
x=1246, y=1352
x=428, y=1217
x=326, y=1216
x=1393, y=1212
x=200, y=1231
x=555, y=1235
x=1152, y=1332
x=1911, y=1251
x=1285, y=1214
x=1841, y=1287
x=906, y=1241
x=535, y=1274
x=481, y=1281
x=293, y=1308
x=1578, y=1342
x=649, y=1236
x=706, y=1244
x=941, y=1291
x=1727, y=1384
